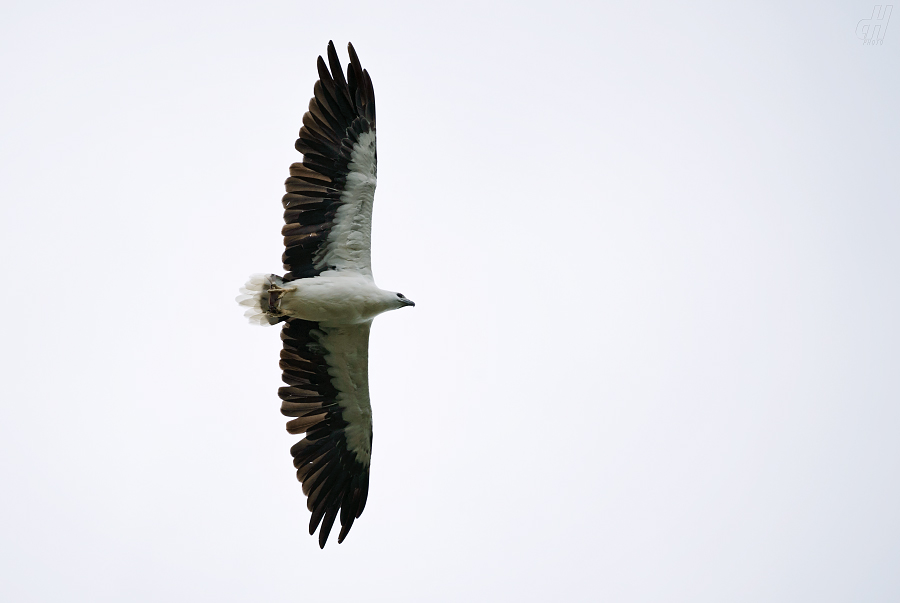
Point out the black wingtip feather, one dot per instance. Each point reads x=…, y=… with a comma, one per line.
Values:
x=324, y=74
x=336, y=72
x=370, y=96
x=327, y=524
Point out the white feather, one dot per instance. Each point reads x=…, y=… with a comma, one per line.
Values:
x=255, y=297
x=350, y=239
x=348, y=356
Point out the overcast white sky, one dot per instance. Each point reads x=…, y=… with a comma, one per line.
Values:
x=655, y=257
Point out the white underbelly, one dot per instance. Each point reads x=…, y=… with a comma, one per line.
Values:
x=332, y=299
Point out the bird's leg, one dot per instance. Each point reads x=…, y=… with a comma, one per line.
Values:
x=275, y=299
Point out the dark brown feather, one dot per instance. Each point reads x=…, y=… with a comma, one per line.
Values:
x=326, y=101
x=303, y=424
x=294, y=229
x=327, y=523
x=354, y=64
x=298, y=170
x=323, y=117
x=341, y=91
x=319, y=130
x=307, y=143
x=296, y=409
x=313, y=189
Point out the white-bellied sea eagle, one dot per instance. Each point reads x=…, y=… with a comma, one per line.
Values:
x=328, y=298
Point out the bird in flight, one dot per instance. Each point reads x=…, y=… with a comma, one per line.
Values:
x=327, y=299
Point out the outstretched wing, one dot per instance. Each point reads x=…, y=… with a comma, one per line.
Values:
x=326, y=371
x=328, y=205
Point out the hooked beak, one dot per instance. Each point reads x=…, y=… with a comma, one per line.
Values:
x=409, y=302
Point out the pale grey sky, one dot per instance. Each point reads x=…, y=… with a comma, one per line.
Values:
x=654, y=253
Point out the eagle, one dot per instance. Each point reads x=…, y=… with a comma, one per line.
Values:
x=327, y=299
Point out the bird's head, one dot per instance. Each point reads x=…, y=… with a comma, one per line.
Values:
x=401, y=301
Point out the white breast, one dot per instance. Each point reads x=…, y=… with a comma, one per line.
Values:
x=334, y=298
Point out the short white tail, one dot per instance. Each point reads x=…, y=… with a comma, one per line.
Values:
x=255, y=296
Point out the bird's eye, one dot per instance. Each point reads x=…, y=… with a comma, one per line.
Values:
x=400, y=295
